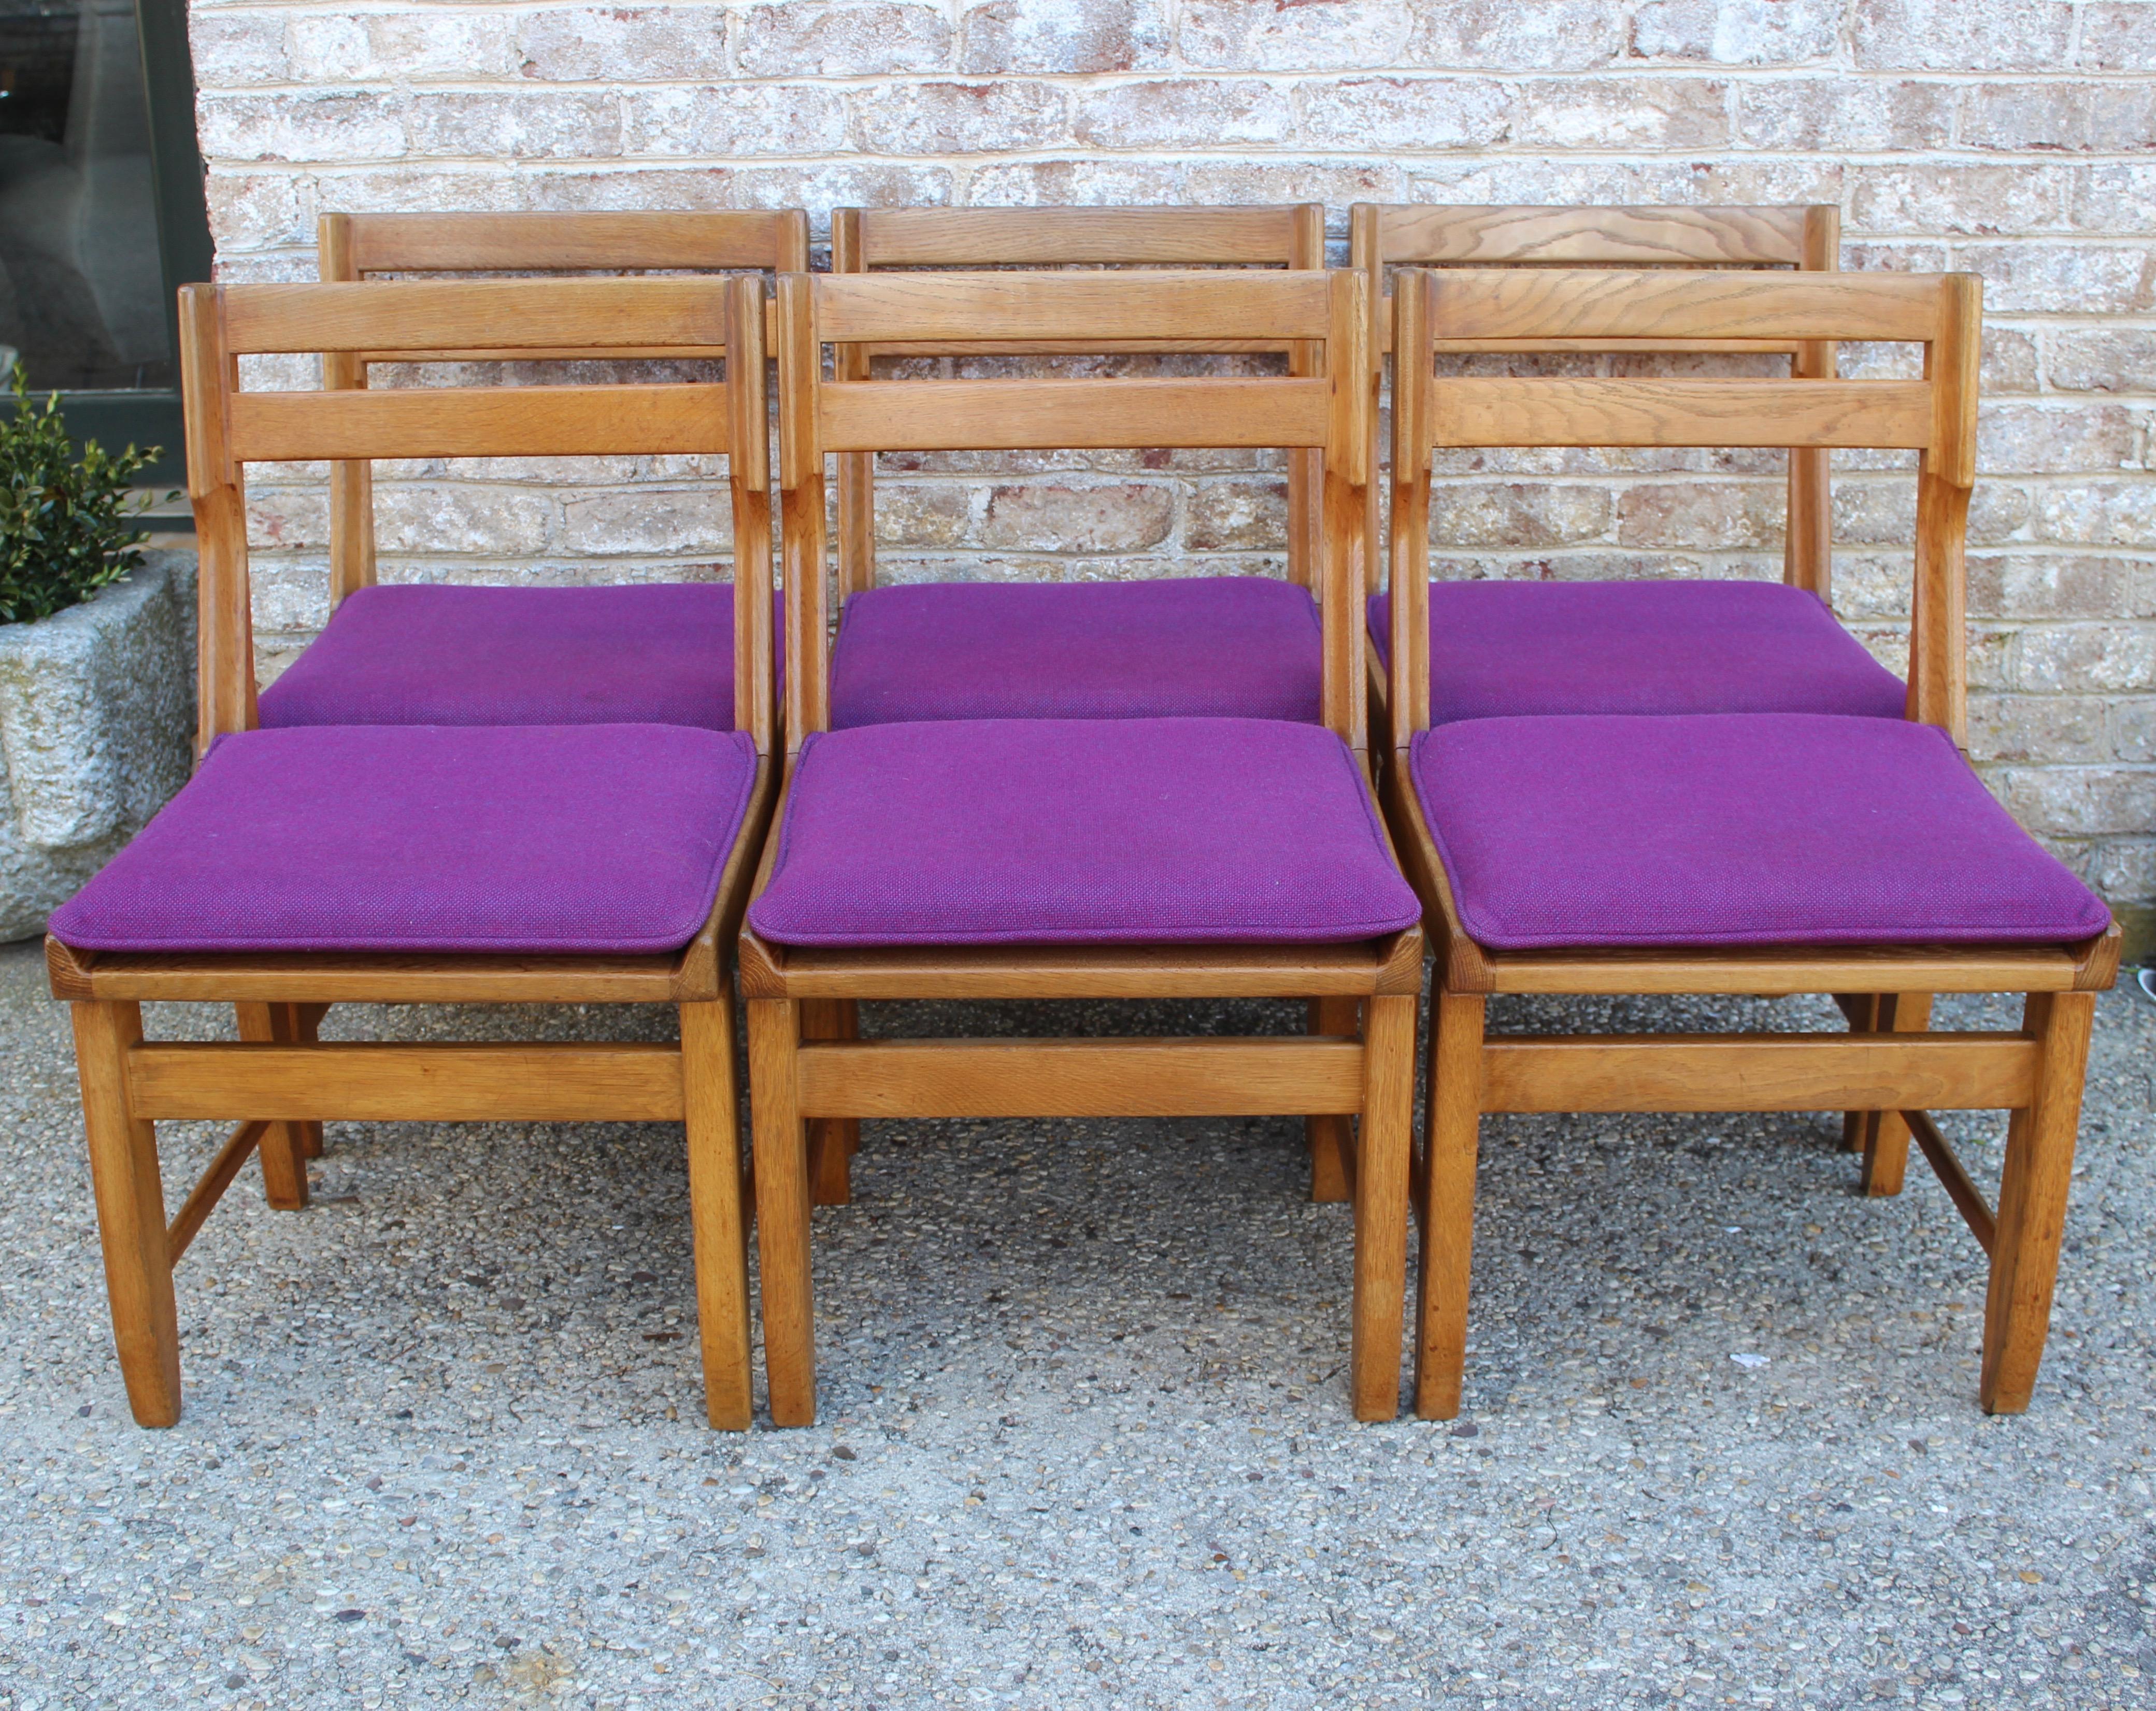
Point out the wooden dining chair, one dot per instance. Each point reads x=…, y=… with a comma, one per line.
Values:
x=1758, y=853
x=987, y=859
x=1197, y=645
x=588, y=864
x=1685, y=645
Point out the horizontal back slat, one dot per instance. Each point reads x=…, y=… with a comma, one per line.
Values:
x=999, y=307
x=505, y=421
x=507, y=242
x=1736, y=237
x=475, y=314
x=934, y=237
x=984, y=415
x=1515, y=303
x=1716, y=413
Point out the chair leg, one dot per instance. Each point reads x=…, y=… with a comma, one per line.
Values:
x=1381, y=1206
x=1329, y=1138
x=131, y=1213
x=306, y=1025
x=1448, y=1217
x=284, y=1144
x=1885, y=1135
x=713, y=1133
x=781, y=1210
x=2032, y=1201
x=1862, y=1010
x=832, y=1141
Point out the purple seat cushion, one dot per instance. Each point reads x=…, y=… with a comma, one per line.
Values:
x=1237, y=647
x=572, y=837
x=660, y=653
x=1731, y=829
x=1082, y=831
x=1498, y=649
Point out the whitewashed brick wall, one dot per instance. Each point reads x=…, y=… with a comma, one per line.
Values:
x=2016, y=138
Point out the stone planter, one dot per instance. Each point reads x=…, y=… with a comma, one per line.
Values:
x=97, y=723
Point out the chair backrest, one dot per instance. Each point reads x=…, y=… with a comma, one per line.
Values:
x=1320, y=413
x=866, y=239
x=1808, y=239
x=1935, y=416
x=352, y=246
x=228, y=427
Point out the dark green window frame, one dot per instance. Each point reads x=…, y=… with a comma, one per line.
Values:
x=150, y=416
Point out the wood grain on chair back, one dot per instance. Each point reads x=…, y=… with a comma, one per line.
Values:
x=1935, y=416
x=842, y=415
x=229, y=427
x=351, y=246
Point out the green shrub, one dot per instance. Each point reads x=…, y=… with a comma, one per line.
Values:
x=66, y=523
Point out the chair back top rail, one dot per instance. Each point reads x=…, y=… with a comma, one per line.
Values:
x=1576, y=237
x=354, y=244
x=1291, y=234
x=1935, y=416
x=533, y=317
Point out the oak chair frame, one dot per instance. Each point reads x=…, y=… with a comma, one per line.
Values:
x=281, y=1079
x=872, y=240
x=796, y=1075
x=1888, y=1060
x=351, y=247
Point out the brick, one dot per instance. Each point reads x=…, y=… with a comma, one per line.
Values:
x=2068, y=278
x=1405, y=113
x=2009, y=363
x=629, y=44
x=1718, y=515
x=2080, y=801
x=922, y=514
x=644, y=521
x=1198, y=183
x=1501, y=35
x=2064, y=117
x=815, y=37
x=454, y=516
x=1629, y=112
x=1563, y=182
x=2123, y=871
x=948, y=118
x=2047, y=585
x=817, y=188
x=1305, y=35
x=1932, y=198
x=1236, y=515
x=254, y=211
x=2101, y=359
x=1737, y=31
x=518, y=124
x=2119, y=197
x=1833, y=112
x=2044, y=729
x=1180, y=113
x=232, y=50
x=2045, y=439
x=735, y=120
x=2133, y=730
x=2115, y=513
x=1964, y=35
x=2060, y=658
x=326, y=128
x=1054, y=517
x=1519, y=514
x=2118, y=37
x=1066, y=36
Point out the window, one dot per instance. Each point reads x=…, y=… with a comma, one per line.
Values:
x=101, y=211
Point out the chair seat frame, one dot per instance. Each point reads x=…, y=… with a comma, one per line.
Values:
x=802, y=1080
x=282, y=1081
x=1889, y=1061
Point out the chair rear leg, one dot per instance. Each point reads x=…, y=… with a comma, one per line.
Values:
x=1329, y=1138
x=1382, y=1157
x=306, y=1025
x=713, y=1133
x=2032, y=1201
x=1885, y=1135
x=1862, y=1010
x=131, y=1213
x=781, y=1210
x=1448, y=1213
x=284, y=1144
x=832, y=1141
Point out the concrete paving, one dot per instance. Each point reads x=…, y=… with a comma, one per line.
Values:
x=1085, y=1438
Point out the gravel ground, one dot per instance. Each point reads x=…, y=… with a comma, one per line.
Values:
x=1085, y=1437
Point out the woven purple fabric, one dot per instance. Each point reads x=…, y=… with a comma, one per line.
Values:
x=659, y=654
x=1498, y=649
x=1237, y=647
x=572, y=837
x=1733, y=829
x=1080, y=831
